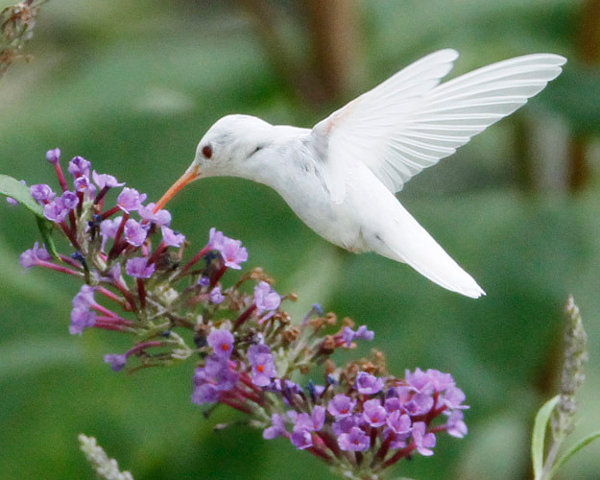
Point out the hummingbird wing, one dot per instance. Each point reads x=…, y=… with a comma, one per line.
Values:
x=357, y=132
x=410, y=122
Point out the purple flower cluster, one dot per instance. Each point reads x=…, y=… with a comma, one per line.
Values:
x=360, y=419
x=388, y=418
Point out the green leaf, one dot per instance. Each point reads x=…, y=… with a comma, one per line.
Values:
x=573, y=450
x=46, y=227
x=11, y=187
x=539, y=434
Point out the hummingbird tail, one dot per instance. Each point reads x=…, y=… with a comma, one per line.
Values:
x=409, y=242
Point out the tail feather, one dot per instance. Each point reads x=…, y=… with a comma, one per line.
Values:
x=410, y=243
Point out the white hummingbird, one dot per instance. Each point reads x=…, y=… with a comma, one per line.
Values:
x=340, y=176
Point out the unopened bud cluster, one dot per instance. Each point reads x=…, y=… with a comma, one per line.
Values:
x=138, y=279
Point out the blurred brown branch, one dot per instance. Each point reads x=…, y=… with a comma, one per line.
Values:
x=330, y=29
x=587, y=46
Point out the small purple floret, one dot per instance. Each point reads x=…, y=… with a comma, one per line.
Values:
x=42, y=193
x=31, y=257
x=81, y=319
x=216, y=296
x=104, y=180
x=423, y=441
x=301, y=439
x=341, y=406
x=231, y=250
x=161, y=218
x=171, y=238
x=373, y=413
x=221, y=341
x=368, y=384
x=79, y=166
x=57, y=210
x=455, y=425
x=138, y=267
x=116, y=361
x=135, y=233
x=266, y=299
x=277, y=428
x=362, y=333
x=130, y=199
x=399, y=423
x=356, y=440
x=263, y=368
x=53, y=156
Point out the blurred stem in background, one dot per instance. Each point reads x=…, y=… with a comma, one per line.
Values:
x=328, y=28
x=587, y=48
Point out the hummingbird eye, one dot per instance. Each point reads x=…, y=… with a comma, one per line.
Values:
x=207, y=151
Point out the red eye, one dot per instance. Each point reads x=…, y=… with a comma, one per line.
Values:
x=207, y=151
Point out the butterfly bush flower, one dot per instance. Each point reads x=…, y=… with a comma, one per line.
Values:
x=171, y=238
x=266, y=300
x=216, y=296
x=134, y=232
x=231, y=250
x=42, y=193
x=34, y=256
x=221, y=341
x=79, y=167
x=362, y=333
x=53, y=156
x=130, y=200
x=57, y=210
x=103, y=180
x=138, y=267
x=358, y=418
x=161, y=218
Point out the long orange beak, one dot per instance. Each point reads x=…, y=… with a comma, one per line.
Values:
x=189, y=176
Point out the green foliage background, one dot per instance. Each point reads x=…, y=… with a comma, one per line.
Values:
x=132, y=86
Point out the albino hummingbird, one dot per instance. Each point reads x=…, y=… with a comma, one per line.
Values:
x=340, y=176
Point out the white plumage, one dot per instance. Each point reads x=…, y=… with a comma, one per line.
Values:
x=341, y=176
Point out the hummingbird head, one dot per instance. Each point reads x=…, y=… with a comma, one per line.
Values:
x=223, y=151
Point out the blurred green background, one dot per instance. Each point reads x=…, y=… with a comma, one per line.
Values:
x=132, y=86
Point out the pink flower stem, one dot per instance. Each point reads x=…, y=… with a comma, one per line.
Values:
x=141, y=292
x=101, y=194
x=114, y=321
x=194, y=260
x=439, y=428
x=108, y=294
x=320, y=453
x=126, y=293
x=233, y=402
x=105, y=311
x=110, y=212
x=109, y=326
x=61, y=176
x=244, y=316
x=80, y=203
x=405, y=452
x=69, y=261
x=117, y=245
x=70, y=235
x=330, y=442
x=385, y=447
x=246, y=380
x=58, y=268
x=218, y=275
x=162, y=246
x=143, y=346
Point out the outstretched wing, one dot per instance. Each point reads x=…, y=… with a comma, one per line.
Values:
x=410, y=122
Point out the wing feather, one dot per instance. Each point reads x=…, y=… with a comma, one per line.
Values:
x=411, y=121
